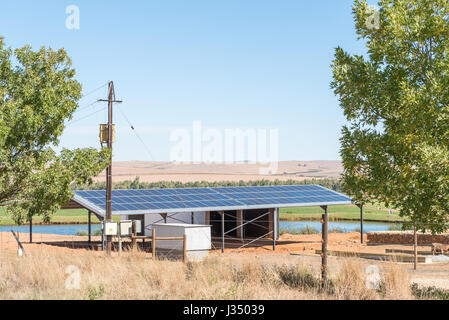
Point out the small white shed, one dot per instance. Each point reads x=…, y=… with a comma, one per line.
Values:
x=198, y=238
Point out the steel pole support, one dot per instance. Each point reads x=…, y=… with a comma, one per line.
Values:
x=324, y=248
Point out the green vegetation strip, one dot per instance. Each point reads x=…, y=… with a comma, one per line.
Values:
x=347, y=212
x=79, y=216
x=76, y=216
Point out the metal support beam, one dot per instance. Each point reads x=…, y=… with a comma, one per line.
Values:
x=324, y=236
x=249, y=222
x=274, y=228
x=361, y=223
x=31, y=229
x=239, y=224
x=207, y=218
x=102, y=235
x=222, y=232
x=119, y=238
x=89, y=241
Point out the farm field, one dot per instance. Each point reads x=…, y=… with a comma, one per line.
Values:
x=149, y=171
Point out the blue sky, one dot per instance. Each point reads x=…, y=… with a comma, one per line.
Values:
x=229, y=64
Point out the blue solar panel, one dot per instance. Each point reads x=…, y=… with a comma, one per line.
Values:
x=209, y=199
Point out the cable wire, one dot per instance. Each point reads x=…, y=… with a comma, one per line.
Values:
x=135, y=132
x=87, y=116
x=95, y=90
x=86, y=106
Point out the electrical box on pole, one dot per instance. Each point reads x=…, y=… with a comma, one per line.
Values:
x=104, y=133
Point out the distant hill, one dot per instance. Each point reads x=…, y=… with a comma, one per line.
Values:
x=169, y=171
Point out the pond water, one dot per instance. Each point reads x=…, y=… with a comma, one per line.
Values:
x=347, y=226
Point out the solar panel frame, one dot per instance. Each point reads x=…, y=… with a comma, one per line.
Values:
x=142, y=201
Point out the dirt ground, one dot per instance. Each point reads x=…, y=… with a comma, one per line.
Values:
x=291, y=248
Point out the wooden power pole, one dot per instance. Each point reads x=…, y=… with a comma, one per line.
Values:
x=111, y=99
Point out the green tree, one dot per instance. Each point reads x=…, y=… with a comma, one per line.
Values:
x=38, y=93
x=395, y=148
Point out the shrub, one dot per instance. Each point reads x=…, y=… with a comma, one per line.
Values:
x=298, y=278
x=95, y=294
x=84, y=233
x=429, y=292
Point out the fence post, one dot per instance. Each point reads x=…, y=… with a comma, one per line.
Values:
x=153, y=243
x=184, y=249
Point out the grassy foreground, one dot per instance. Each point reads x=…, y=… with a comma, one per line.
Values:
x=53, y=275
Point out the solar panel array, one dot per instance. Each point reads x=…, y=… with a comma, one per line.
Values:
x=208, y=199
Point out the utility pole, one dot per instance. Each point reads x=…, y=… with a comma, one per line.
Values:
x=111, y=99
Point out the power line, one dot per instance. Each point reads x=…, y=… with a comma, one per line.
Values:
x=95, y=90
x=86, y=106
x=87, y=116
x=137, y=134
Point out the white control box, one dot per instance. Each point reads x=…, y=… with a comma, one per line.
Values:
x=126, y=228
x=110, y=228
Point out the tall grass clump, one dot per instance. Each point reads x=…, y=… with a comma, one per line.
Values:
x=395, y=282
x=358, y=230
x=337, y=230
x=350, y=283
x=395, y=227
x=303, y=230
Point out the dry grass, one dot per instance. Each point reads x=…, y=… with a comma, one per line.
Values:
x=351, y=283
x=42, y=275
